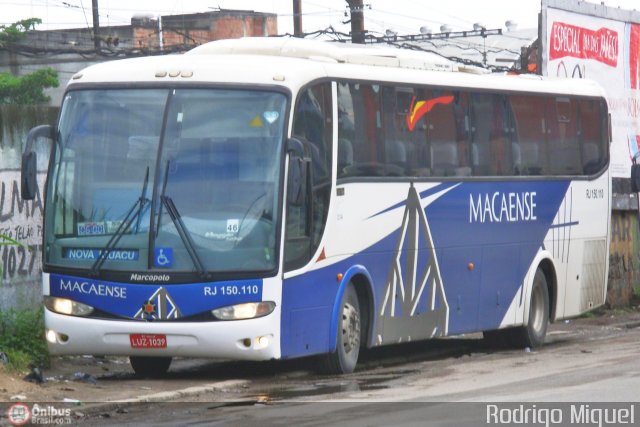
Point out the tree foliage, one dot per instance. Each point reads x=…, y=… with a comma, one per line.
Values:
x=27, y=89
x=14, y=32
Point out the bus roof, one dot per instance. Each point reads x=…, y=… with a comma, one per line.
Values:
x=292, y=63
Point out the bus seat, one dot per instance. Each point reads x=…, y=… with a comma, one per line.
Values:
x=444, y=158
x=590, y=157
x=526, y=158
x=462, y=171
x=395, y=158
x=566, y=161
x=480, y=158
x=345, y=155
x=395, y=152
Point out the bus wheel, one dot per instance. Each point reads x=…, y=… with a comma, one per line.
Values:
x=533, y=334
x=150, y=367
x=343, y=360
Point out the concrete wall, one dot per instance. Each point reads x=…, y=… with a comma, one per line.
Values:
x=20, y=280
x=624, y=258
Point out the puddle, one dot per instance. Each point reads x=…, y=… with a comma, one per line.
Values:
x=327, y=387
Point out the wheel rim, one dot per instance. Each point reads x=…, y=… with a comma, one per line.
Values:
x=350, y=328
x=537, y=308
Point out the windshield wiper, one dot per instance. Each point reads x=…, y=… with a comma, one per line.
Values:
x=183, y=232
x=133, y=213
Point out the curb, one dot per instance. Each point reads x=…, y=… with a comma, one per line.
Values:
x=165, y=396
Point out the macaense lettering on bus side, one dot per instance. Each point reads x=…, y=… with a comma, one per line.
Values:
x=501, y=207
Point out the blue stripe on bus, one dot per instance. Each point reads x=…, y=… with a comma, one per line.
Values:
x=566, y=224
x=431, y=191
x=126, y=299
x=504, y=234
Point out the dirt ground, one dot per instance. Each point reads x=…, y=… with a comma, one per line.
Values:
x=76, y=378
x=95, y=379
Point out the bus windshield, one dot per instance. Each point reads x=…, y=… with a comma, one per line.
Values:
x=166, y=180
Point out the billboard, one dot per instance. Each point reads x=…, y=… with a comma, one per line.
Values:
x=583, y=40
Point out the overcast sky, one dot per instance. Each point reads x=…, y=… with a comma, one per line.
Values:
x=402, y=16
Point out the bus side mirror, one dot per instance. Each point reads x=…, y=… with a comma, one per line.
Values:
x=28, y=178
x=297, y=177
x=635, y=178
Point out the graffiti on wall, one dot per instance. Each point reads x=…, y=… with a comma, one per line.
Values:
x=623, y=257
x=20, y=220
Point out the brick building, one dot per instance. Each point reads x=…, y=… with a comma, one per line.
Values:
x=197, y=28
x=70, y=50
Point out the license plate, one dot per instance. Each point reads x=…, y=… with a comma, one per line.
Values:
x=148, y=341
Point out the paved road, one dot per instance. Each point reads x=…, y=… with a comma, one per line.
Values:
x=443, y=382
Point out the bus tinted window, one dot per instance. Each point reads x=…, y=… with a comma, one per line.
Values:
x=361, y=151
x=491, y=150
x=562, y=136
x=312, y=123
x=592, y=136
x=529, y=146
x=429, y=132
x=445, y=141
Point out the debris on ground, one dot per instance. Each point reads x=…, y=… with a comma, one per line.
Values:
x=35, y=376
x=84, y=377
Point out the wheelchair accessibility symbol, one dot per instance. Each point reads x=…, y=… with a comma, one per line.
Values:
x=163, y=257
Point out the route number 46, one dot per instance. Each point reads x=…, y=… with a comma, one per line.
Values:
x=233, y=226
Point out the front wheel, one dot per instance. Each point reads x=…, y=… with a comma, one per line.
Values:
x=532, y=335
x=150, y=367
x=343, y=360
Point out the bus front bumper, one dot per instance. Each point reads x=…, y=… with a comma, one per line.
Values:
x=255, y=339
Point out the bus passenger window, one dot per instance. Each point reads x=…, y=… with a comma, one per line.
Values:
x=360, y=128
x=562, y=136
x=491, y=150
x=395, y=150
x=346, y=130
x=448, y=126
x=528, y=152
x=592, y=136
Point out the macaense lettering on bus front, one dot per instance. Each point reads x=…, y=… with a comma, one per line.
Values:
x=502, y=207
x=88, y=288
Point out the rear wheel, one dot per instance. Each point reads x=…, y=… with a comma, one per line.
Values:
x=343, y=360
x=532, y=335
x=150, y=367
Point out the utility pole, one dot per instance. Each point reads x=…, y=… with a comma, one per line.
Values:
x=356, y=9
x=96, y=24
x=297, y=18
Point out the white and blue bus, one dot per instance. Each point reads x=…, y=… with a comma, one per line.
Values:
x=276, y=198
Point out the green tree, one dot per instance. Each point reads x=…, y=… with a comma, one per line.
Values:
x=27, y=89
x=14, y=32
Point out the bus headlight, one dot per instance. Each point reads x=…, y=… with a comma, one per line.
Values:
x=249, y=310
x=67, y=306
